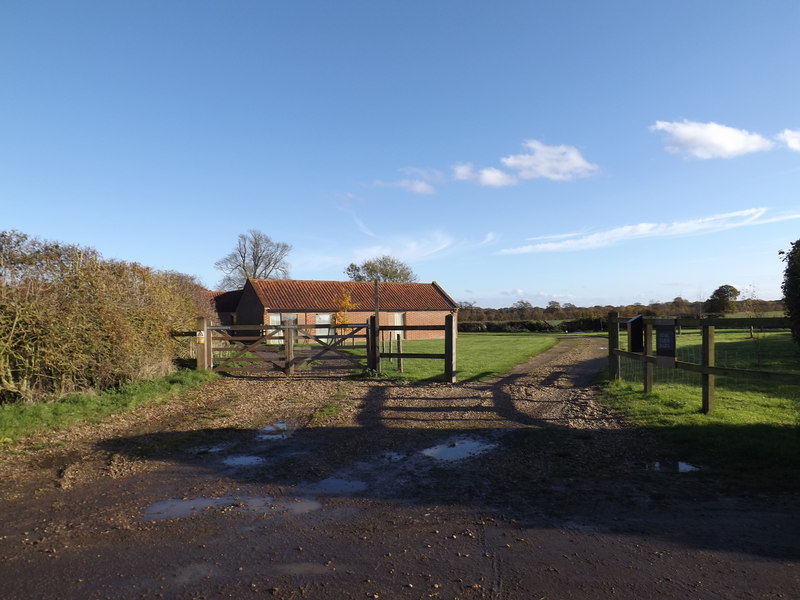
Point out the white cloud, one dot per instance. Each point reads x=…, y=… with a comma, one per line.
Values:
x=417, y=186
x=463, y=172
x=488, y=239
x=752, y=216
x=555, y=236
x=709, y=140
x=495, y=178
x=790, y=138
x=362, y=227
x=419, y=181
x=559, y=163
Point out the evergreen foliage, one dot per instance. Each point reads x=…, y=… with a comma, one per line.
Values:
x=791, y=287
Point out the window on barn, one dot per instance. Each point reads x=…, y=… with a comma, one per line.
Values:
x=323, y=323
x=398, y=318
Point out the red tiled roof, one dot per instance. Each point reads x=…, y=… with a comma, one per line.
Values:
x=323, y=296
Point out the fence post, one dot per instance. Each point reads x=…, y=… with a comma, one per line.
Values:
x=288, y=348
x=613, y=344
x=648, y=351
x=372, y=344
x=449, y=349
x=202, y=341
x=209, y=335
x=377, y=355
x=709, y=380
x=400, y=352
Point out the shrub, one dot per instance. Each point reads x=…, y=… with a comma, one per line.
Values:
x=72, y=321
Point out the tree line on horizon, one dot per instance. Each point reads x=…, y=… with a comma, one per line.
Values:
x=523, y=310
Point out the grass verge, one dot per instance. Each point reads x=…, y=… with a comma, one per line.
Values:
x=751, y=437
x=19, y=420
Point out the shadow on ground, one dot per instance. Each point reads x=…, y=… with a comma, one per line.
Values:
x=511, y=465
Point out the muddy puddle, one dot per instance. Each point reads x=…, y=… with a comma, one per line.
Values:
x=274, y=432
x=458, y=449
x=182, y=508
x=671, y=467
x=243, y=460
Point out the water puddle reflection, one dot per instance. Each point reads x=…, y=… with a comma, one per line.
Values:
x=211, y=449
x=178, y=509
x=275, y=432
x=243, y=461
x=671, y=467
x=458, y=449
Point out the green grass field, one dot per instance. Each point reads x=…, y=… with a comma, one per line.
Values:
x=751, y=434
x=478, y=356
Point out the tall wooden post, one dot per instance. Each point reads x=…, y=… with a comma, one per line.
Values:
x=709, y=380
x=202, y=341
x=288, y=349
x=400, y=351
x=648, y=351
x=613, y=344
x=377, y=356
x=449, y=349
x=372, y=343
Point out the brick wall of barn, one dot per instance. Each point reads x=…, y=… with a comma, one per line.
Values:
x=431, y=317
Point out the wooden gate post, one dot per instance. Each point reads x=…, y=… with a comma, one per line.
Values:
x=400, y=351
x=709, y=380
x=648, y=352
x=613, y=344
x=202, y=342
x=372, y=344
x=288, y=350
x=449, y=349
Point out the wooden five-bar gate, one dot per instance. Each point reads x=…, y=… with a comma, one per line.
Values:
x=255, y=349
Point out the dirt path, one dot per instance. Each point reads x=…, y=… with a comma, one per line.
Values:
x=525, y=487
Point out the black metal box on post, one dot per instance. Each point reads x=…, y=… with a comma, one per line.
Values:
x=636, y=334
x=665, y=342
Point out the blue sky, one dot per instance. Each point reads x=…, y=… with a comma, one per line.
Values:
x=584, y=152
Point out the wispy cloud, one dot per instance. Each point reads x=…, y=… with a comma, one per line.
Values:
x=710, y=140
x=489, y=238
x=362, y=227
x=418, y=181
x=417, y=186
x=791, y=138
x=556, y=236
x=408, y=248
x=515, y=292
x=618, y=235
x=557, y=163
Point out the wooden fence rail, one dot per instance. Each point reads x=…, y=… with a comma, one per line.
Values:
x=707, y=368
x=449, y=356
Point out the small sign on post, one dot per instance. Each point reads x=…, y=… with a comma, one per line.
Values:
x=665, y=342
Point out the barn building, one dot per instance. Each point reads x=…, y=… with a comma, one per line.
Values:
x=288, y=301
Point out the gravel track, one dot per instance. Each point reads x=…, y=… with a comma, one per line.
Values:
x=323, y=487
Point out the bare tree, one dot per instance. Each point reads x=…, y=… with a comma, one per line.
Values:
x=256, y=256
